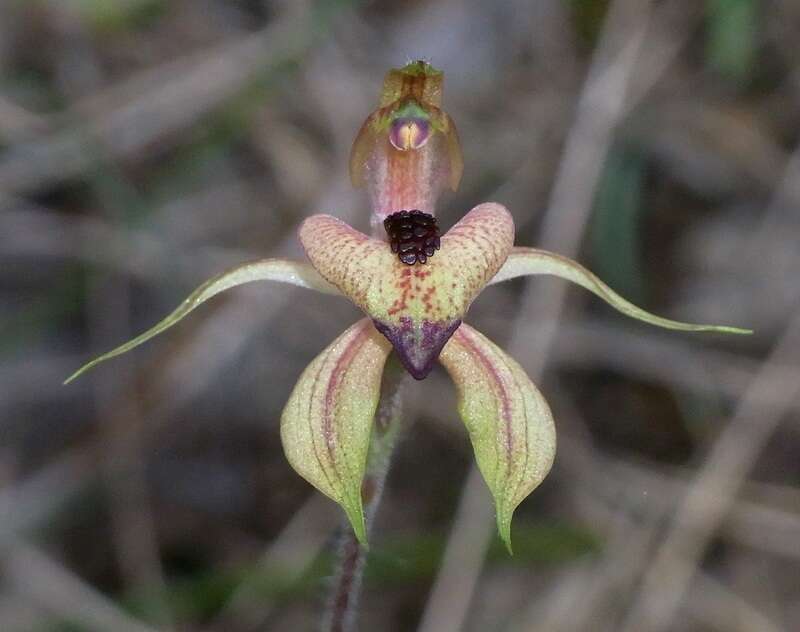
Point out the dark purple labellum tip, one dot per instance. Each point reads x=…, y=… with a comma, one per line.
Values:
x=418, y=346
x=413, y=235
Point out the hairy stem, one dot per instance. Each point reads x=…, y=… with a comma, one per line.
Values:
x=340, y=615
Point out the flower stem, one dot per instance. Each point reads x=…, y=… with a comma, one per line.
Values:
x=342, y=603
x=340, y=615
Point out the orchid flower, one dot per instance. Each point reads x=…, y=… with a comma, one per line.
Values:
x=415, y=287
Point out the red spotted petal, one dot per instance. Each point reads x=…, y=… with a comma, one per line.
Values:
x=416, y=307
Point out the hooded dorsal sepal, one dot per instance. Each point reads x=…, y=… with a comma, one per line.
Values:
x=407, y=151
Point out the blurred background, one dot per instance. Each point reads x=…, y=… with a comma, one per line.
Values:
x=146, y=145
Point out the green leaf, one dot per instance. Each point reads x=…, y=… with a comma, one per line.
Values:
x=732, y=37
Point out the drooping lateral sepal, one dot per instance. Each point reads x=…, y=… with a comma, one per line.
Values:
x=508, y=421
x=531, y=261
x=326, y=424
x=282, y=270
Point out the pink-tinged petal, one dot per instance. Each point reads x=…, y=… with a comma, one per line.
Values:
x=530, y=261
x=293, y=272
x=454, y=155
x=326, y=424
x=416, y=307
x=478, y=245
x=364, y=146
x=508, y=420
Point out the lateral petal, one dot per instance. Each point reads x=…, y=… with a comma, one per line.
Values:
x=416, y=307
x=326, y=424
x=508, y=420
x=285, y=271
x=525, y=261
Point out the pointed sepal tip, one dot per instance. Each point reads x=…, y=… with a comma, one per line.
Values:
x=355, y=515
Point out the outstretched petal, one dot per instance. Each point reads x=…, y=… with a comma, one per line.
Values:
x=524, y=261
x=294, y=272
x=416, y=307
x=326, y=425
x=508, y=420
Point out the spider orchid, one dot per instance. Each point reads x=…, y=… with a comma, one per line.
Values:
x=415, y=287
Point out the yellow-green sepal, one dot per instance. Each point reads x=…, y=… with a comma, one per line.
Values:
x=293, y=272
x=327, y=422
x=531, y=261
x=508, y=421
